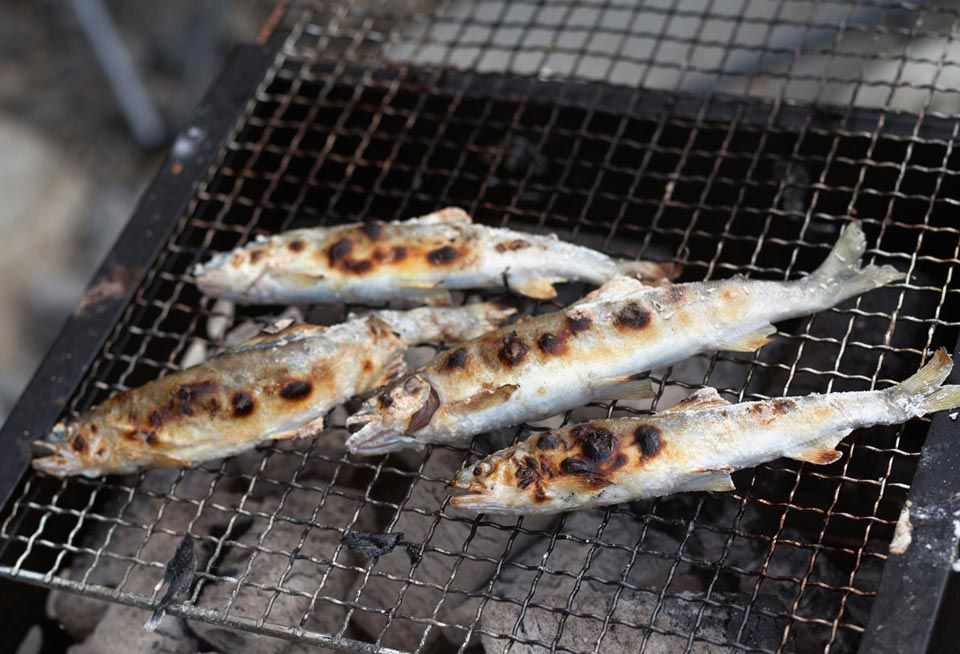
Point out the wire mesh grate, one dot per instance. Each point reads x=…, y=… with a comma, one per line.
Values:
x=731, y=140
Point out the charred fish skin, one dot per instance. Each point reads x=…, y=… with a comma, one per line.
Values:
x=594, y=349
x=693, y=446
x=420, y=259
x=274, y=386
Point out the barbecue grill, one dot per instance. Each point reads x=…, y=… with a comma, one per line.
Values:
x=729, y=139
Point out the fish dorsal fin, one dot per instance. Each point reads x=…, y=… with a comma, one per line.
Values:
x=703, y=398
x=820, y=453
x=446, y=216
x=625, y=388
x=752, y=341
x=614, y=289
x=717, y=480
x=276, y=335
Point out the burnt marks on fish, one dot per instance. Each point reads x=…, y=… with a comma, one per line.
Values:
x=242, y=403
x=296, y=389
x=549, y=441
x=528, y=472
x=385, y=400
x=151, y=439
x=187, y=398
x=256, y=255
x=577, y=323
x=513, y=349
x=296, y=245
x=648, y=439
x=399, y=253
x=339, y=252
x=673, y=294
x=79, y=444
x=512, y=246
x=781, y=407
x=372, y=230
x=552, y=344
x=443, y=255
x=596, y=442
x=424, y=414
x=457, y=360
x=632, y=316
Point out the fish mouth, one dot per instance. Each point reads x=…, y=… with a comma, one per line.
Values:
x=60, y=462
x=376, y=438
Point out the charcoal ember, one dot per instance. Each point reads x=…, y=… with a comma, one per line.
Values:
x=273, y=571
x=597, y=548
x=129, y=549
x=120, y=631
x=371, y=546
x=661, y=625
x=458, y=552
x=177, y=577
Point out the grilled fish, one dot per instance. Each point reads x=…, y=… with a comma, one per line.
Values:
x=594, y=349
x=421, y=259
x=692, y=446
x=274, y=386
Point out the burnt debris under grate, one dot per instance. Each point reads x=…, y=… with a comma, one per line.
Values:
x=790, y=561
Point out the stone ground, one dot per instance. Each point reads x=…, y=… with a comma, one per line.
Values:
x=70, y=175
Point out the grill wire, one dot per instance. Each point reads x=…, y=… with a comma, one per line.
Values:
x=732, y=140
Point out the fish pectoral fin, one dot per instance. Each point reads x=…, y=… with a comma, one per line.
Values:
x=310, y=429
x=703, y=398
x=393, y=370
x=713, y=479
x=437, y=299
x=752, y=341
x=486, y=399
x=625, y=388
x=820, y=453
x=276, y=334
x=540, y=288
x=446, y=216
x=613, y=289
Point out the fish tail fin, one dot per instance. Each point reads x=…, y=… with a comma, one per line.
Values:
x=841, y=271
x=650, y=270
x=923, y=392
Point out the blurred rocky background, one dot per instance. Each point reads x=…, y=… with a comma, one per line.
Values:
x=71, y=165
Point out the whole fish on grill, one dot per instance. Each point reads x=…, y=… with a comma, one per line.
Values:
x=275, y=386
x=421, y=259
x=594, y=349
x=692, y=446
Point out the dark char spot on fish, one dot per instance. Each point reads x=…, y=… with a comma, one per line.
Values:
x=648, y=439
x=242, y=404
x=296, y=245
x=340, y=251
x=577, y=324
x=513, y=349
x=296, y=389
x=551, y=344
x=633, y=316
x=456, y=360
x=597, y=443
x=372, y=229
x=442, y=255
x=549, y=441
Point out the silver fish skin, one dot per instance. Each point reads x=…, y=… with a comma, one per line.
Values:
x=420, y=259
x=275, y=386
x=592, y=350
x=693, y=446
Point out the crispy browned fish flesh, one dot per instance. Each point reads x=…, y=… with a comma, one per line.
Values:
x=274, y=386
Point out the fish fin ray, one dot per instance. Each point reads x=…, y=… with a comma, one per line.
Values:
x=841, y=271
x=312, y=428
x=651, y=270
x=625, y=388
x=822, y=452
x=703, y=398
x=752, y=341
x=614, y=289
x=445, y=216
x=487, y=399
x=540, y=288
x=716, y=480
x=925, y=386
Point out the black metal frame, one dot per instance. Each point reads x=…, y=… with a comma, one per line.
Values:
x=905, y=612
x=124, y=268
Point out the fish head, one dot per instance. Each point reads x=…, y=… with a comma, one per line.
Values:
x=496, y=483
x=229, y=273
x=389, y=420
x=77, y=448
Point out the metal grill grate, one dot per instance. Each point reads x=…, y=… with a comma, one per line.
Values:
x=729, y=139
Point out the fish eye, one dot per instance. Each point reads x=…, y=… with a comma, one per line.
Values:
x=481, y=469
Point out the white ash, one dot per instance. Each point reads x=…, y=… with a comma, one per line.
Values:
x=120, y=631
